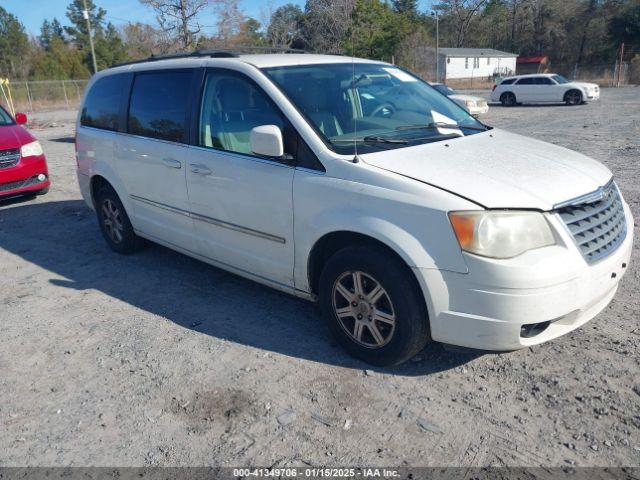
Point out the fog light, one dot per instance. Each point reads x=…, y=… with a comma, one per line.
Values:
x=42, y=177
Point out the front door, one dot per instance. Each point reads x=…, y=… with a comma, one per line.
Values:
x=241, y=204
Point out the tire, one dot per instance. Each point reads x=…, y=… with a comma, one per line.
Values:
x=398, y=314
x=573, y=97
x=110, y=211
x=508, y=99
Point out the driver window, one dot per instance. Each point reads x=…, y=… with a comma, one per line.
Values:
x=231, y=107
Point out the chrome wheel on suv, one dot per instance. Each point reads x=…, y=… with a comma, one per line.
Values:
x=364, y=309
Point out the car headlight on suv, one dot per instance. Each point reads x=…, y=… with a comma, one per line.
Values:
x=501, y=233
x=32, y=149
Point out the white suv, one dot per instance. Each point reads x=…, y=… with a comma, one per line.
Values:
x=543, y=88
x=354, y=183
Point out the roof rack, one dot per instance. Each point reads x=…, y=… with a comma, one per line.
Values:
x=214, y=53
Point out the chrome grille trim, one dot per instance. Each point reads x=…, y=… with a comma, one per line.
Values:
x=596, y=222
x=9, y=158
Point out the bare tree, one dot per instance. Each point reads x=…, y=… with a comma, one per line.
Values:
x=462, y=13
x=179, y=18
x=230, y=20
x=326, y=23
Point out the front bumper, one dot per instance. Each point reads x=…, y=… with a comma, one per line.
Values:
x=23, y=177
x=593, y=95
x=488, y=307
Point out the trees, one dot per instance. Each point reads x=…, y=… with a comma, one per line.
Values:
x=14, y=46
x=179, y=18
x=285, y=27
x=325, y=24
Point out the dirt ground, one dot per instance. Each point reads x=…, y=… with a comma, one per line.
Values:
x=158, y=359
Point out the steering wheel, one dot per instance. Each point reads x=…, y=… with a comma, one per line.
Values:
x=390, y=110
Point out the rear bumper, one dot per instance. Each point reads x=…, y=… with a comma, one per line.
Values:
x=488, y=307
x=24, y=177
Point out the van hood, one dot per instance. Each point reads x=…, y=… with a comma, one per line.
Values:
x=498, y=169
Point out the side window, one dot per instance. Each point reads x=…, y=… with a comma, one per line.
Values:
x=543, y=81
x=526, y=81
x=158, y=106
x=508, y=81
x=231, y=107
x=101, y=108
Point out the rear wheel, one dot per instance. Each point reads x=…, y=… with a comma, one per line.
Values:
x=373, y=306
x=114, y=223
x=508, y=99
x=573, y=97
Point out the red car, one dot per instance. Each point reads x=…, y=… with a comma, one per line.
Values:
x=23, y=168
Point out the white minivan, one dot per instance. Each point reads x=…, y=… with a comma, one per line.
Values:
x=356, y=184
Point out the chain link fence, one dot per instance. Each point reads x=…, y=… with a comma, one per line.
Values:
x=36, y=96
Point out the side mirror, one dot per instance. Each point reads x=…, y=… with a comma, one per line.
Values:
x=266, y=140
x=21, y=118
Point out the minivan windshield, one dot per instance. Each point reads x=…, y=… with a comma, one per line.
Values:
x=5, y=118
x=367, y=107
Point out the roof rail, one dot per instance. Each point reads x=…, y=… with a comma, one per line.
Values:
x=214, y=53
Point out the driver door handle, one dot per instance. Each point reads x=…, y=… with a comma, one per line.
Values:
x=200, y=169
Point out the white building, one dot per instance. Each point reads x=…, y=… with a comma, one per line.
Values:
x=457, y=63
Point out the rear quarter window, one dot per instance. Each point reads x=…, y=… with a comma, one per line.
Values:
x=101, y=108
x=158, y=106
x=508, y=81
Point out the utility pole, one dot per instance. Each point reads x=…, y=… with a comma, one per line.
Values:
x=435, y=13
x=621, y=64
x=85, y=14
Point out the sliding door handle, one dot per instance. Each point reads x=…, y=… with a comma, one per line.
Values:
x=172, y=163
x=200, y=169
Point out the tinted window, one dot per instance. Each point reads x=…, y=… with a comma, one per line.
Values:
x=158, y=107
x=526, y=81
x=543, y=81
x=508, y=81
x=231, y=107
x=101, y=109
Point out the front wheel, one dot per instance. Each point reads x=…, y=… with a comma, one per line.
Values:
x=373, y=306
x=573, y=97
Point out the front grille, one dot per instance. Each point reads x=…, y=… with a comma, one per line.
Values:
x=9, y=158
x=598, y=226
x=5, y=187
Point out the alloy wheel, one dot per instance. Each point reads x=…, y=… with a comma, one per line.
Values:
x=574, y=98
x=112, y=220
x=364, y=309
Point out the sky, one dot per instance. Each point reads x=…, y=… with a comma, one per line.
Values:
x=33, y=12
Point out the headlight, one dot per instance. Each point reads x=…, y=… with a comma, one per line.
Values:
x=32, y=149
x=470, y=103
x=501, y=233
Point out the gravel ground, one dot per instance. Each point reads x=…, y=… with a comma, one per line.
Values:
x=158, y=359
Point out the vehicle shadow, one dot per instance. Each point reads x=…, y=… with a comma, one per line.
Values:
x=5, y=202
x=185, y=291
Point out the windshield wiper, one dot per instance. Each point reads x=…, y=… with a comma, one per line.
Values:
x=436, y=125
x=377, y=139
x=370, y=139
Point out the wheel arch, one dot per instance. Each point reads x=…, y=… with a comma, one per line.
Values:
x=332, y=242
